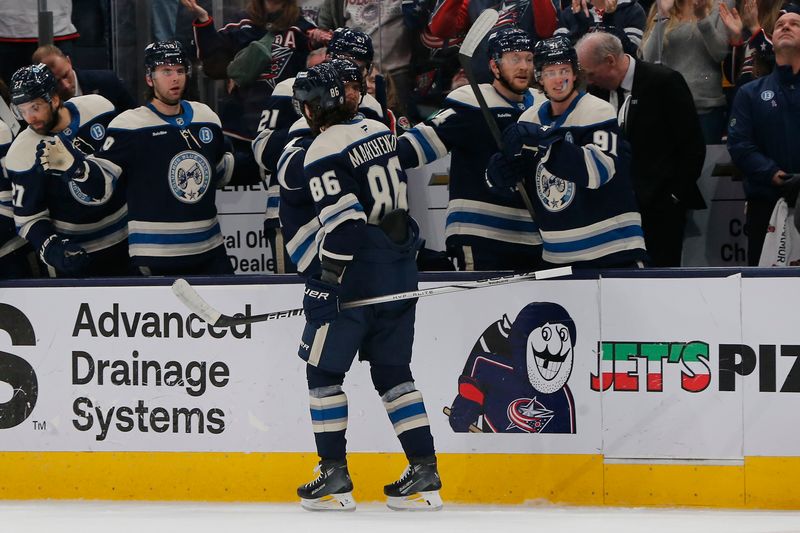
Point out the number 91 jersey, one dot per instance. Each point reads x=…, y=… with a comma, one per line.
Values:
x=354, y=177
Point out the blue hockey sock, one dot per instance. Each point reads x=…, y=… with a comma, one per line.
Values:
x=329, y=420
x=406, y=410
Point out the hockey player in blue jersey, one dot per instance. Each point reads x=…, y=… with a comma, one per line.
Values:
x=482, y=231
x=367, y=245
x=172, y=154
x=575, y=166
x=518, y=383
x=76, y=233
x=298, y=215
x=280, y=116
x=16, y=257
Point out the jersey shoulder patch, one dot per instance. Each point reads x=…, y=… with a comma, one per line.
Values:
x=203, y=113
x=464, y=96
x=340, y=137
x=91, y=106
x=284, y=89
x=589, y=111
x=21, y=156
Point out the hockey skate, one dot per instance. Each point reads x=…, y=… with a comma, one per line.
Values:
x=417, y=489
x=331, y=491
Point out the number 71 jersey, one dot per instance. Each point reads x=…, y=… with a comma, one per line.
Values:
x=354, y=175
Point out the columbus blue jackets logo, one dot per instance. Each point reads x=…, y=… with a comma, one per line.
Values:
x=554, y=193
x=189, y=176
x=515, y=379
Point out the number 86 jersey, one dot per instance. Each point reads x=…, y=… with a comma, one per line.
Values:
x=355, y=178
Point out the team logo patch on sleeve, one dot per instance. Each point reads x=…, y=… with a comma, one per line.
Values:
x=189, y=176
x=206, y=135
x=555, y=193
x=97, y=132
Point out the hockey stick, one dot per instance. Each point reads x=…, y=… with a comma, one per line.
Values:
x=483, y=25
x=472, y=427
x=186, y=294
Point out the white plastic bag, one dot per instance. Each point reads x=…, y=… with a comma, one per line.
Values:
x=782, y=244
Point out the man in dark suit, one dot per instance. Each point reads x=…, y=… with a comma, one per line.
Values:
x=657, y=116
x=72, y=82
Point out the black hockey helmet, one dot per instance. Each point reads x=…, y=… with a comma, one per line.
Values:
x=32, y=82
x=320, y=87
x=349, y=71
x=508, y=40
x=347, y=43
x=165, y=53
x=553, y=51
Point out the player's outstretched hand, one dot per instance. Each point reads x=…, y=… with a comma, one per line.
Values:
x=503, y=173
x=321, y=302
x=60, y=159
x=65, y=256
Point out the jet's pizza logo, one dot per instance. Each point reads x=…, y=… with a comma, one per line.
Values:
x=515, y=378
x=16, y=371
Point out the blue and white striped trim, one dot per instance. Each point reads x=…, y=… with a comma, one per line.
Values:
x=407, y=412
x=600, y=167
x=426, y=143
x=634, y=35
x=302, y=247
x=99, y=235
x=329, y=414
x=273, y=202
x=173, y=239
x=346, y=208
x=490, y=221
x=6, y=205
x=25, y=223
x=617, y=234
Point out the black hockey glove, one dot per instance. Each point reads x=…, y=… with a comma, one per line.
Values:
x=65, y=256
x=60, y=159
x=503, y=173
x=467, y=406
x=321, y=302
x=526, y=140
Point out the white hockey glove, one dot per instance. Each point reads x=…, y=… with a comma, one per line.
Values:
x=60, y=159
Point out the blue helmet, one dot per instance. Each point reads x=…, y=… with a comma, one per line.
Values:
x=320, y=87
x=32, y=82
x=349, y=71
x=165, y=53
x=553, y=51
x=508, y=40
x=347, y=43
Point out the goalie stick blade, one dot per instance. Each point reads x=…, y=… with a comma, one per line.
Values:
x=482, y=25
x=194, y=302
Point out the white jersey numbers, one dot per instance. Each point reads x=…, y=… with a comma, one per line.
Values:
x=327, y=184
x=386, y=188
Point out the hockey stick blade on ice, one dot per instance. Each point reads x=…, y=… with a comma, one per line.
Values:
x=191, y=299
x=483, y=25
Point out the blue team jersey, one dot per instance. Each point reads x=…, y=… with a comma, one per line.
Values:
x=581, y=188
x=173, y=165
x=474, y=217
x=44, y=206
x=354, y=177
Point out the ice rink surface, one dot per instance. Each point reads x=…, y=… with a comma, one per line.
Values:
x=143, y=517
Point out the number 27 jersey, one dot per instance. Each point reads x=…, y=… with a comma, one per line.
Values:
x=354, y=177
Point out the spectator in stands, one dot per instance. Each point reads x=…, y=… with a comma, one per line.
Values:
x=453, y=18
x=689, y=36
x=77, y=82
x=268, y=44
x=752, y=36
x=764, y=130
x=658, y=118
x=383, y=21
x=19, y=31
x=623, y=18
